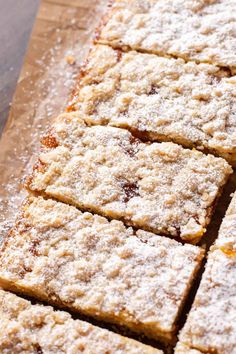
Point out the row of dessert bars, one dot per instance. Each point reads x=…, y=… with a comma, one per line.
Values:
x=111, y=183
x=191, y=103
x=99, y=268
x=87, y=264
x=211, y=323
x=159, y=98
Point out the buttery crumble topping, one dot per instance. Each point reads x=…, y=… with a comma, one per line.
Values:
x=27, y=328
x=201, y=30
x=160, y=187
x=160, y=99
x=99, y=268
x=211, y=323
x=226, y=239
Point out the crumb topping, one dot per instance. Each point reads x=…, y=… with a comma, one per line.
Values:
x=201, y=30
x=159, y=187
x=184, y=349
x=95, y=267
x=211, y=324
x=160, y=99
x=226, y=239
x=27, y=328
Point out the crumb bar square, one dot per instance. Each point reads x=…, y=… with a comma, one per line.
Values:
x=27, y=328
x=226, y=239
x=200, y=30
x=160, y=99
x=211, y=323
x=99, y=268
x=158, y=187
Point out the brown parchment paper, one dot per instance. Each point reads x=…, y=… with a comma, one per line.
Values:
x=60, y=39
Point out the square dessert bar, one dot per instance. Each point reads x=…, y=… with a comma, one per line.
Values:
x=226, y=239
x=27, y=328
x=200, y=30
x=99, y=268
x=159, y=187
x=211, y=323
x=160, y=99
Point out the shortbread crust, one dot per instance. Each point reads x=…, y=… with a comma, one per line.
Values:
x=184, y=349
x=226, y=239
x=201, y=30
x=211, y=323
x=160, y=99
x=27, y=328
x=159, y=187
x=99, y=268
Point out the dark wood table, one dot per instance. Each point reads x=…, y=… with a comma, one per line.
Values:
x=16, y=21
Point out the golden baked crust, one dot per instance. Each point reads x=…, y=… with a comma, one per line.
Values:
x=201, y=30
x=160, y=187
x=226, y=239
x=211, y=323
x=160, y=99
x=99, y=268
x=184, y=349
x=27, y=328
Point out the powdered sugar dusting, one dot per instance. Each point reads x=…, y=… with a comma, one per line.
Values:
x=160, y=187
x=211, y=324
x=226, y=239
x=37, y=329
x=95, y=267
x=161, y=99
x=44, y=88
x=200, y=30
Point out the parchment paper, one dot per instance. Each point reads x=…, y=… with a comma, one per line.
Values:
x=59, y=42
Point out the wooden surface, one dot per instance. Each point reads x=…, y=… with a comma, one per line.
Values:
x=16, y=21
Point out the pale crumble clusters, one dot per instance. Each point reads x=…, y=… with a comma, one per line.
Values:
x=226, y=239
x=185, y=349
x=160, y=98
x=201, y=30
x=160, y=187
x=99, y=268
x=211, y=323
x=27, y=328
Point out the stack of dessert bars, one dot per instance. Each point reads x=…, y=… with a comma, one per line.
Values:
x=123, y=191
